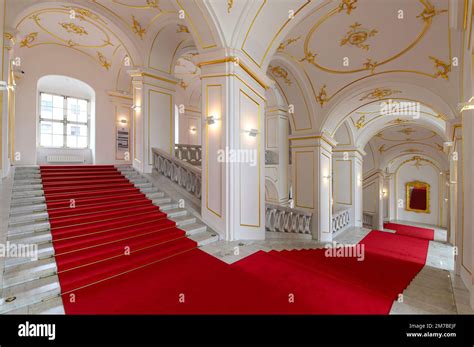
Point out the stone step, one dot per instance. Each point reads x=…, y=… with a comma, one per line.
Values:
x=27, y=176
x=30, y=293
x=24, y=182
x=138, y=180
x=27, y=188
x=27, y=238
x=23, y=209
x=27, y=218
x=144, y=185
x=27, y=272
x=155, y=195
x=29, y=228
x=149, y=190
x=27, y=194
x=183, y=219
x=49, y=306
x=45, y=250
x=27, y=201
x=161, y=201
x=171, y=207
x=204, y=238
x=193, y=228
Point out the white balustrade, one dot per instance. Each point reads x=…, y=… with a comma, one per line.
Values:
x=287, y=220
x=341, y=219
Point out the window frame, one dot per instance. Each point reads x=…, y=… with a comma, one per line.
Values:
x=64, y=121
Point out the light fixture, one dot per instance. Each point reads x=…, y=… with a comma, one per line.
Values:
x=211, y=120
x=193, y=129
x=384, y=192
x=253, y=132
x=134, y=107
x=123, y=121
x=327, y=177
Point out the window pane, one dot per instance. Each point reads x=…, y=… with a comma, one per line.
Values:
x=46, y=128
x=82, y=142
x=58, y=113
x=72, y=141
x=76, y=130
x=58, y=128
x=46, y=106
x=58, y=101
x=58, y=141
x=46, y=140
x=82, y=105
x=72, y=109
x=82, y=117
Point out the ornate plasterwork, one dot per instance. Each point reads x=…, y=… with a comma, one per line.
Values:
x=322, y=97
x=230, y=4
x=357, y=36
x=280, y=72
x=347, y=5
x=286, y=43
x=443, y=69
x=74, y=29
x=182, y=29
x=137, y=28
x=28, y=39
x=429, y=11
x=379, y=93
x=103, y=61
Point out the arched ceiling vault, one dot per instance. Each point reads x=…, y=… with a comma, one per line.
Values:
x=349, y=53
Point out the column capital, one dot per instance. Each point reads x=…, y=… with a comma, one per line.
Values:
x=318, y=139
x=352, y=150
x=145, y=75
x=9, y=37
x=230, y=62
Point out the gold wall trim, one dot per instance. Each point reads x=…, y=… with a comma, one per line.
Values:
x=239, y=78
x=146, y=74
x=207, y=150
x=241, y=92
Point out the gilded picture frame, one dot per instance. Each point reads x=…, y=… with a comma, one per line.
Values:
x=417, y=185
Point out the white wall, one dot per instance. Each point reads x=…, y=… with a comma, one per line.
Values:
x=54, y=60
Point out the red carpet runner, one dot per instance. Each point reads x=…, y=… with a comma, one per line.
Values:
x=409, y=230
x=117, y=253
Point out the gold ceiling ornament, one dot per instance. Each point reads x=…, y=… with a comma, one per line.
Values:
x=74, y=29
x=443, y=68
x=182, y=29
x=379, y=93
x=370, y=65
x=103, y=61
x=412, y=150
x=398, y=121
x=182, y=84
x=418, y=161
x=429, y=11
x=137, y=28
x=152, y=4
x=407, y=131
x=280, y=72
x=82, y=13
x=286, y=43
x=347, y=5
x=28, y=39
x=309, y=57
x=71, y=43
x=357, y=36
x=322, y=97
x=230, y=4
x=360, y=122
x=440, y=147
x=382, y=149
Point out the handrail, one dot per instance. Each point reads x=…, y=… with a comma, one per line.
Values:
x=341, y=218
x=287, y=220
x=188, y=153
x=180, y=172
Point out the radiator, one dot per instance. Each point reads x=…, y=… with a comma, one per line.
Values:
x=65, y=159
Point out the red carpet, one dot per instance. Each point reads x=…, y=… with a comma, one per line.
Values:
x=117, y=253
x=408, y=230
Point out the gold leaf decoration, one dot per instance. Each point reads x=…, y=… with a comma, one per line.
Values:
x=183, y=85
x=407, y=131
x=347, y=5
x=309, y=57
x=74, y=29
x=443, y=68
x=382, y=148
x=360, y=122
x=286, y=43
x=152, y=3
x=412, y=150
x=28, y=40
x=182, y=29
x=429, y=11
x=230, y=4
x=103, y=61
x=357, y=36
x=418, y=163
x=440, y=148
x=399, y=121
x=379, y=93
x=370, y=65
x=280, y=72
x=137, y=28
x=322, y=97
x=82, y=13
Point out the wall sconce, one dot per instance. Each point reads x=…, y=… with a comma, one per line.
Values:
x=134, y=107
x=123, y=121
x=252, y=132
x=467, y=105
x=193, y=129
x=328, y=177
x=384, y=192
x=211, y=120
